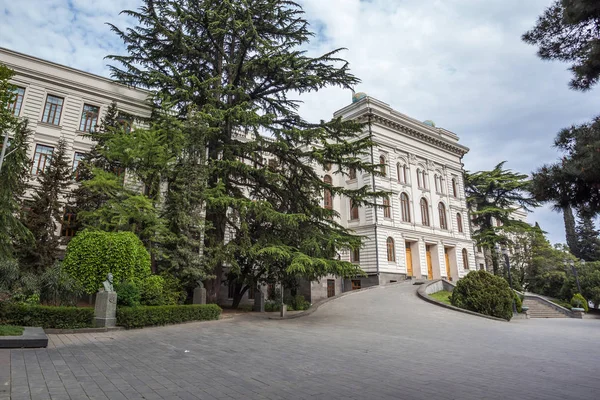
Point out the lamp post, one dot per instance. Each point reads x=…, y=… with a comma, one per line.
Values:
x=574, y=270
x=507, y=263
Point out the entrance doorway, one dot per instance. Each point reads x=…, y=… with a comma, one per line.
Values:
x=330, y=287
x=429, y=265
x=409, y=265
x=447, y=258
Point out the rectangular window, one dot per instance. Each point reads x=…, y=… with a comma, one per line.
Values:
x=41, y=158
x=355, y=284
x=353, y=211
x=52, y=110
x=330, y=287
x=17, y=102
x=89, y=118
x=68, y=225
x=76, y=160
x=250, y=293
x=126, y=122
x=355, y=255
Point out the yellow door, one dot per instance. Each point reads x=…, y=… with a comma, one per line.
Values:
x=448, y=265
x=409, y=267
x=429, y=266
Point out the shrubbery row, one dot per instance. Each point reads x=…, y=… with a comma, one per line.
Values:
x=46, y=316
x=138, y=317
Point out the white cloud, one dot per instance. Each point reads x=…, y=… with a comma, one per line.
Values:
x=458, y=62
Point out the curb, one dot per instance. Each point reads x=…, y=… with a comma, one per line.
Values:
x=52, y=331
x=424, y=296
x=316, y=306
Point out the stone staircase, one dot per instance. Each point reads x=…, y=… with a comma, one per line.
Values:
x=539, y=308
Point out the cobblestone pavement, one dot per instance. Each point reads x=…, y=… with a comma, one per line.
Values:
x=383, y=343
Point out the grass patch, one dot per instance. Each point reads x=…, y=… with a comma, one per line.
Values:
x=11, y=330
x=443, y=296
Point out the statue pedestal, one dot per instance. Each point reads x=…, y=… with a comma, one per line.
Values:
x=106, y=310
x=199, y=296
x=259, y=301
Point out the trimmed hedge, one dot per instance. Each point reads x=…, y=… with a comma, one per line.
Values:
x=484, y=293
x=138, y=317
x=46, y=316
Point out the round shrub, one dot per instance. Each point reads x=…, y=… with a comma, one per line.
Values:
x=484, y=293
x=518, y=303
x=128, y=294
x=91, y=255
x=152, y=290
x=579, y=301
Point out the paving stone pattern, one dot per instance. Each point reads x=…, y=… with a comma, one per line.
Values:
x=379, y=344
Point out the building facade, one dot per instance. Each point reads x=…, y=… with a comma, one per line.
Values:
x=421, y=230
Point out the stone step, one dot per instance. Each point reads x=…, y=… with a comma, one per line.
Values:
x=537, y=309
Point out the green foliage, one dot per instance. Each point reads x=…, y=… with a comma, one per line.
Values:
x=298, y=303
x=268, y=192
x=138, y=317
x=46, y=316
x=173, y=291
x=151, y=289
x=17, y=285
x=58, y=288
x=588, y=239
x=483, y=293
x=568, y=31
x=518, y=302
x=579, y=301
x=128, y=294
x=493, y=196
x=11, y=330
x=91, y=255
x=442, y=295
x=46, y=211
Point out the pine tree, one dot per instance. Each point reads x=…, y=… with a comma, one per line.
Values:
x=493, y=196
x=568, y=31
x=588, y=238
x=239, y=64
x=15, y=169
x=46, y=210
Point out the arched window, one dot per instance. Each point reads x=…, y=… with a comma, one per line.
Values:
x=459, y=222
x=353, y=210
x=405, y=207
x=383, y=165
x=454, y=188
x=442, y=211
x=391, y=252
x=327, y=194
x=352, y=173
x=465, y=257
x=387, y=208
x=424, y=212
x=419, y=179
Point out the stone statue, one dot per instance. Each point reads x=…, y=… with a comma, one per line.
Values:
x=108, y=283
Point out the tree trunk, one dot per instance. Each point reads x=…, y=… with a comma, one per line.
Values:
x=495, y=261
x=570, y=230
x=237, y=296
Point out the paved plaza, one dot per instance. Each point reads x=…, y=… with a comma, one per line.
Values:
x=383, y=343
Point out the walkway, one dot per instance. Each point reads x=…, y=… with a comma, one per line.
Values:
x=383, y=343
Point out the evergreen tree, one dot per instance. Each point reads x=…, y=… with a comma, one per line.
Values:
x=588, y=239
x=493, y=196
x=15, y=169
x=569, y=31
x=239, y=64
x=46, y=211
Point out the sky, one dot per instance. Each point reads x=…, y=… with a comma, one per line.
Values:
x=460, y=63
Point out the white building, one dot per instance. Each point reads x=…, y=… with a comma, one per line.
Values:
x=423, y=232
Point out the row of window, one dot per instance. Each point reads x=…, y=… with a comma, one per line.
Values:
x=404, y=173
x=391, y=253
x=43, y=155
x=405, y=211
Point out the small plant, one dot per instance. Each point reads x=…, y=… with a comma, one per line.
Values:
x=128, y=294
x=578, y=301
x=518, y=302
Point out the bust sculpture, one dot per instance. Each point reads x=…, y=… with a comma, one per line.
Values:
x=108, y=283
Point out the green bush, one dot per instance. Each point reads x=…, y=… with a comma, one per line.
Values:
x=138, y=317
x=151, y=289
x=298, y=303
x=483, y=293
x=128, y=294
x=58, y=288
x=91, y=255
x=580, y=302
x=173, y=290
x=518, y=302
x=46, y=316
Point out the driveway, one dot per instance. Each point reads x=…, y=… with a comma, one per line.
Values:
x=383, y=343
